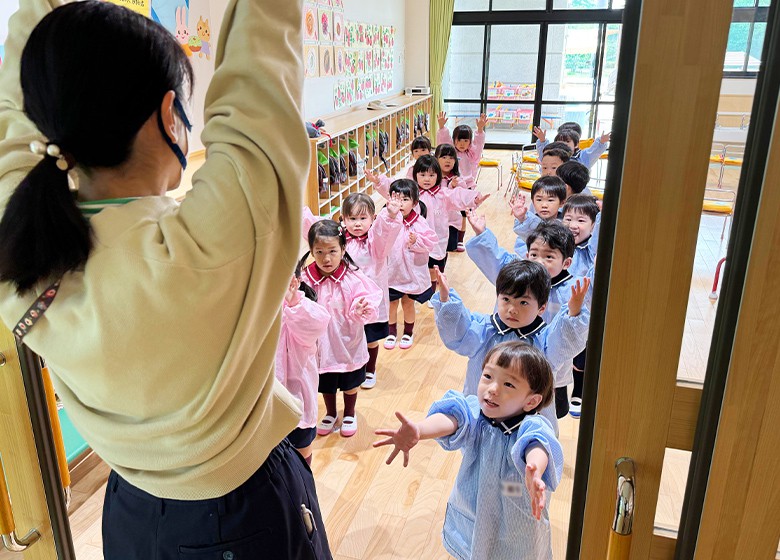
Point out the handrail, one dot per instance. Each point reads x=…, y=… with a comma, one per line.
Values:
x=620, y=537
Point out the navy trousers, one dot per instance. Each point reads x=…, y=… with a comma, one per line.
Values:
x=273, y=515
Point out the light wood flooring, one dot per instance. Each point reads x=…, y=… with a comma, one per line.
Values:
x=379, y=512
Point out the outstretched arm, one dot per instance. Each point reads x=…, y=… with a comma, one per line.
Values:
x=410, y=433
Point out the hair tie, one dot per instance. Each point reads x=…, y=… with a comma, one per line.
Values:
x=341, y=230
x=64, y=160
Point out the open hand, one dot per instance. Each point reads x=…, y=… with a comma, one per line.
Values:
x=292, y=290
x=455, y=182
x=444, y=287
x=536, y=490
x=478, y=222
x=393, y=205
x=480, y=199
x=540, y=134
x=403, y=439
x=605, y=137
x=442, y=118
x=361, y=308
x=481, y=122
x=578, y=292
x=373, y=177
x=519, y=207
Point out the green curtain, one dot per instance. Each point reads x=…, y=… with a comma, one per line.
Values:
x=441, y=25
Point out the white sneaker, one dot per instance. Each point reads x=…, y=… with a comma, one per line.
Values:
x=370, y=381
x=430, y=304
x=575, y=407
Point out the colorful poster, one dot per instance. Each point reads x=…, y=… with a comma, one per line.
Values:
x=339, y=95
x=369, y=64
x=143, y=7
x=338, y=28
x=377, y=84
x=310, y=26
x=340, y=64
x=376, y=55
x=338, y=4
x=361, y=62
x=350, y=91
x=326, y=60
x=325, y=2
x=311, y=61
x=172, y=14
x=326, y=26
x=359, y=93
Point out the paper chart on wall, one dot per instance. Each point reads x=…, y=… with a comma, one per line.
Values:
x=340, y=64
x=311, y=61
x=338, y=28
x=326, y=60
x=310, y=25
x=326, y=25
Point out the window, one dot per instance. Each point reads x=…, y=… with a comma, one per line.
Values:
x=746, y=38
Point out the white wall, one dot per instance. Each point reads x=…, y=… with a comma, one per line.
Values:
x=417, y=37
x=318, y=92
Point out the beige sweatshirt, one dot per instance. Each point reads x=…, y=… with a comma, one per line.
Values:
x=163, y=347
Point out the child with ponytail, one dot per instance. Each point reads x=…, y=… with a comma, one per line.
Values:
x=352, y=300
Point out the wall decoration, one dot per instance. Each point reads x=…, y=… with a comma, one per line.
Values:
x=311, y=61
x=325, y=3
x=143, y=7
x=340, y=64
x=310, y=25
x=338, y=28
x=338, y=4
x=326, y=26
x=326, y=60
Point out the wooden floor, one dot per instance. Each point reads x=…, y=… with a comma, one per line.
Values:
x=374, y=511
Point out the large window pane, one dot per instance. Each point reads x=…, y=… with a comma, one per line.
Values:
x=499, y=5
x=756, y=46
x=581, y=4
x=571, y=62
x=509, y=124
x=736, y=48
x=611, y=55
x=554, y=116
x=513, y=58
x=463, y=71
x=461, y=113
x=472, y=5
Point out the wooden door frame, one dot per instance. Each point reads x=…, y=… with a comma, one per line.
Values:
x=668, y=89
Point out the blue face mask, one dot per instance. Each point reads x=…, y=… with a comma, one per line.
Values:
x=171, y=144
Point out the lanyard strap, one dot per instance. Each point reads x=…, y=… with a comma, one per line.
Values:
x=36, y=311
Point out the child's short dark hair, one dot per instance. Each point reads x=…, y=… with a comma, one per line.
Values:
x=406, y=187
x=421, y=143
x=582, y=204
x=448, y=150
x=551, y=185
x=529, y=362
x=520, y=276
x=563, y=155
x=462, y=132
x=558, y=146
x=356, y=204
x=427, y=163
x=568, y=135
x=555, y=235
x=574, y=174
x=571, y=125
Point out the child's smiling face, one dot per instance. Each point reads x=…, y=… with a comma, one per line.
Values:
x=580, y=225
x=518, y=312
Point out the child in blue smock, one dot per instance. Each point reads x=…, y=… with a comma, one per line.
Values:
x=588, y=157
x=522, y=290
x=548, y=195
x=581, y=216
x=511, y=458
x=552, y=246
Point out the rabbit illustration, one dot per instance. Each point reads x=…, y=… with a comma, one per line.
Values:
x=204, y=32
x=182, y=34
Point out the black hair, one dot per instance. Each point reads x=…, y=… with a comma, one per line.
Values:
x=551, y=185
x=563, y=155
x=326, y=229
x=356, y=204
x=555, y=235
x=421, y=143
x=427, y=163
x=71, y=76
x=582, y=204
x=571, y=125
x=558, y=146
x=569, y=135
x=574, y=174
x=530, y=363
x=520, y=276
x=448, y=150
x=462, y=132
x=406, y=187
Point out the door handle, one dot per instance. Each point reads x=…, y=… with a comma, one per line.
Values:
x=54, y=418
x=10, y=539
x=620, y=536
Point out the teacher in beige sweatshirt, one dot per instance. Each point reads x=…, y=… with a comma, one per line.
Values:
x=160, y=320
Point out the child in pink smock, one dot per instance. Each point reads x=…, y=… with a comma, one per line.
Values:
x=468, y=143
x=447, y=156
x=408, y=279
x=352, y=300
x=421, y=146
x=370, y=237
x=303, y=322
